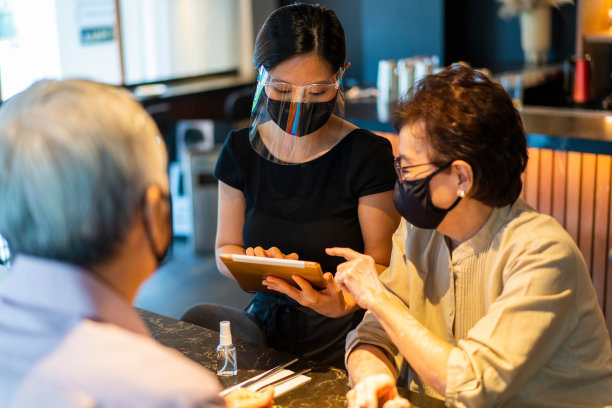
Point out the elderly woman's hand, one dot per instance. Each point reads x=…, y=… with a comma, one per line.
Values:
x=376, y=391
x=243, y=398
x=358, y=276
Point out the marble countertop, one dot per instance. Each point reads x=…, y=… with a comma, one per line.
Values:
x=326, y=389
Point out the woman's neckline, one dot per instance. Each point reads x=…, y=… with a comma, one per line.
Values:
x=329, y=151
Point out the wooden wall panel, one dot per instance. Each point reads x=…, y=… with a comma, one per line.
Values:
x=532, y=178
x=608, y=283
x=587, y=207
x=601, y=238
x=545, y=182
x=576, y=189
x=572, y=194
x=558, y=187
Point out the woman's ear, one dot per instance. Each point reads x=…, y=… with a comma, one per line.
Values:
x=465, y=177
x=346, y=65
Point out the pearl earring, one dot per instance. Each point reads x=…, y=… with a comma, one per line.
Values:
x=461, y=193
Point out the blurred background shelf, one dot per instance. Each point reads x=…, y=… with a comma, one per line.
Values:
x=604, y=37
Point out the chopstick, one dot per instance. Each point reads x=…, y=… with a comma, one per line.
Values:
x=282, y=380
x=267, y=374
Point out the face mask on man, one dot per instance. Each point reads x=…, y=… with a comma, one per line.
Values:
x=412, y=199
x=300, y=118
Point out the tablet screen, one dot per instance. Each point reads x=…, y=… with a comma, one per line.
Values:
x=292, y=263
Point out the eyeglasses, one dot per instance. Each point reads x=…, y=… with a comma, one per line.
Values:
x=284, y=91
x=404, y=172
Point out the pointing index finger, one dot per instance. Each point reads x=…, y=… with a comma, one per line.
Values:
x=346, y=253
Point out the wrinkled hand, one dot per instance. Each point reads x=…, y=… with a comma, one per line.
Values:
x=376, y=391
x=330, y=301
x=272, y=252
x=243, y=398
x=358, y=276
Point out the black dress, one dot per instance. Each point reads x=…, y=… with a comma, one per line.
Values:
x=305, y=208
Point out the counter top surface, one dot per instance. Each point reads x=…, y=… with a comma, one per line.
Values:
x=162, y=90
x=581, y=130
x=579, y=123
x=326, y=389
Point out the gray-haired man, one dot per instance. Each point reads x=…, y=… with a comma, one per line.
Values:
x=85, y=210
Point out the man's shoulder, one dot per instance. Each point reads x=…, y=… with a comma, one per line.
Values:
x=112, y=365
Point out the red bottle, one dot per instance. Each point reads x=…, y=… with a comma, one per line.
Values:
x=582, y=80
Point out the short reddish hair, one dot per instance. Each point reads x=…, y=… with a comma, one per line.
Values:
x=466, y=116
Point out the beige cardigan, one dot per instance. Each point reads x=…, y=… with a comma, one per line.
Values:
x=518, y=303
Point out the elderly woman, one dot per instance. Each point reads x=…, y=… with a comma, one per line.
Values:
x=486, y=302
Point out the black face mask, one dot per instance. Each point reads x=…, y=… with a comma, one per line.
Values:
x=412, y=200
x=312, y=115
x=160, y=257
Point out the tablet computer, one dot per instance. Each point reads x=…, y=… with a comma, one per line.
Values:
x=249, y=271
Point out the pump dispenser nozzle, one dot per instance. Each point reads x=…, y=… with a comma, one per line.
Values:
x=225, y=333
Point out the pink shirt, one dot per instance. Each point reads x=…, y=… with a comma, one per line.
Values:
x=69, y=340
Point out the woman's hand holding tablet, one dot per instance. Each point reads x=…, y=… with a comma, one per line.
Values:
x=250, y=271
x=272, y=252
x=273, y=272
x=331, y=301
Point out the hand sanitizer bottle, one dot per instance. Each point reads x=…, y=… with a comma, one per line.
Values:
x=227, y=363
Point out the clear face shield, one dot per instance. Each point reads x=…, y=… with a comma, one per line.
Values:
x=287, y=121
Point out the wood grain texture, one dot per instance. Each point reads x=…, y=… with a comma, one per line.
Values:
x=559, y=186
x=587, y=207
x=545, y=181
x=601, y=230
x=572, y=205
x=576, y=189
x=532, y=178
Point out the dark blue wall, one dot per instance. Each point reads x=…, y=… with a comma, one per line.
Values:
x=394, y=29
x=455, y=30
x=386, y=29
x=475, y=33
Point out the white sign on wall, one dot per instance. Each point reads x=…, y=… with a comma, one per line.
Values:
x=96, y=21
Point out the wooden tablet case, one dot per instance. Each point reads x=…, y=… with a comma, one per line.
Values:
x=249, y=271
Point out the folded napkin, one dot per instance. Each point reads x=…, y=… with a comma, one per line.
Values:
x=279, y=389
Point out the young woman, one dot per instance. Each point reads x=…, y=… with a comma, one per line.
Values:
x=301, y=179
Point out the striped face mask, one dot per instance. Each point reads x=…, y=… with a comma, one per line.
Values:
x=300, y=118
x=283, y=112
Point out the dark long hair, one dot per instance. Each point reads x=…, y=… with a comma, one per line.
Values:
x=299, y=29
x=466, y=116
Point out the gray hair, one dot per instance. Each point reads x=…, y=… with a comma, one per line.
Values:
x=76, y=157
